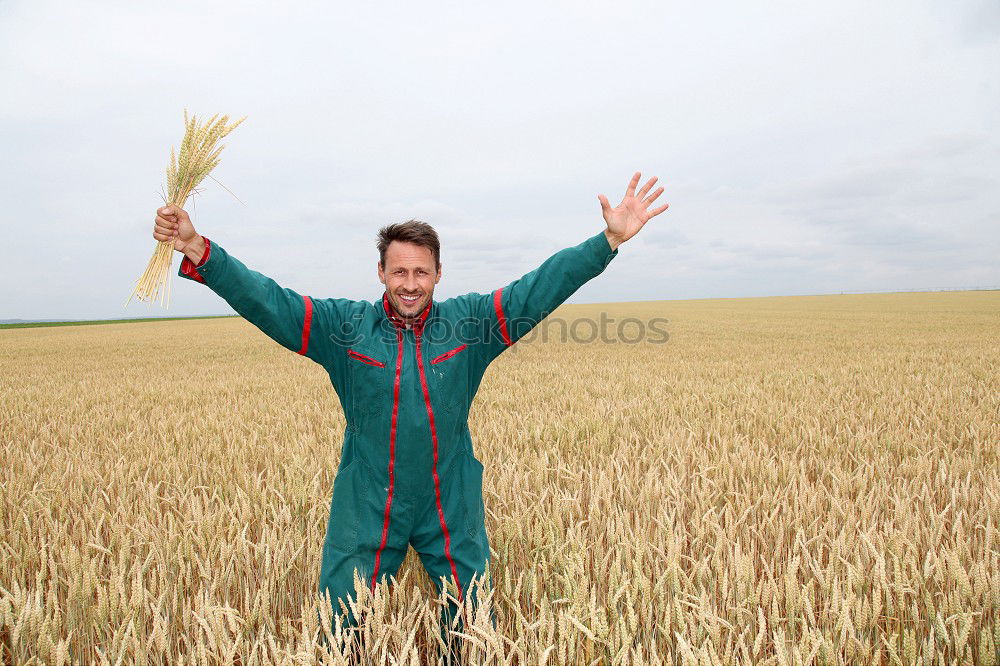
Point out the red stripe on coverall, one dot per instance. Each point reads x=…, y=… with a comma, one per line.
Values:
x=437, y=481
x=498, y=306
x=307, y=324
x=365, y=359
x=392, y=456
x=448, y=354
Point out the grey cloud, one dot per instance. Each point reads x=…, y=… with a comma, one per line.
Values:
x=664, y=238
x=980, y=22
x=802, y=151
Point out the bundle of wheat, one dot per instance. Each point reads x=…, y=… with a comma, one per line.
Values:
x=198, y=155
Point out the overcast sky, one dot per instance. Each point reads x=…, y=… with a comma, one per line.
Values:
x=805, y=147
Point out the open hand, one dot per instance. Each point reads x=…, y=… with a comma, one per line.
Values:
x=627, y=218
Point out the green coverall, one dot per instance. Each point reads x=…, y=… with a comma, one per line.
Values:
x=407, y=474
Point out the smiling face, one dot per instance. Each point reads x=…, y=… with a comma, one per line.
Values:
x=409, y=276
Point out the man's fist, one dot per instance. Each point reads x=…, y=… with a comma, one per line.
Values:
x=173, y=224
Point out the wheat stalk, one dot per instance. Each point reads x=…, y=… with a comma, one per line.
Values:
x=198, y=155
x=718, y=500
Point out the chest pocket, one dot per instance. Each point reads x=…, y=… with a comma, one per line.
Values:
x=371, y=381
x=450, y=379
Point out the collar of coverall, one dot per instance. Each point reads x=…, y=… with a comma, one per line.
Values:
x=390, y=312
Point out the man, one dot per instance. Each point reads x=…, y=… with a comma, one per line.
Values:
x=406, y=369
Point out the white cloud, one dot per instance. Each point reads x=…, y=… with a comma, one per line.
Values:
x=804, y=148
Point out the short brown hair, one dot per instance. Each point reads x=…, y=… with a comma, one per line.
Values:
x=411, y=231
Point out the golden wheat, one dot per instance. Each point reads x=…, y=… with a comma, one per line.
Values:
x=197, y=157
x=801, y=480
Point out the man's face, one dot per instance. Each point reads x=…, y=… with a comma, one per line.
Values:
x=409, y=271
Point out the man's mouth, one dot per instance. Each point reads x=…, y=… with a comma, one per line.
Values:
x=409, y=300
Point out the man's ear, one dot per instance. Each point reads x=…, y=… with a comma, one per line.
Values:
x=438, y=279
x=381, y=273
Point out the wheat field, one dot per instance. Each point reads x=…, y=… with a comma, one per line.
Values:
x=793, y=480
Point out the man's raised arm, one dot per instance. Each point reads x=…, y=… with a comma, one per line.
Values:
x=522, y=304
x=291, y=319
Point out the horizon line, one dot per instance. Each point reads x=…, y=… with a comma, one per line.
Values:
x=13, y=321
